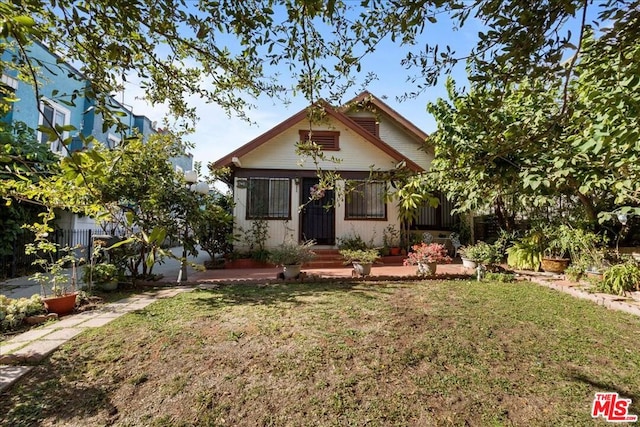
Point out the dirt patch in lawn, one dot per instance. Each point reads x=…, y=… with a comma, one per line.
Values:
x=419, y=353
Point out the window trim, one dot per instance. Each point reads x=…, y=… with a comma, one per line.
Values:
x=250, y=216
x=347, y=215
x=55, y=146
x=334, y=146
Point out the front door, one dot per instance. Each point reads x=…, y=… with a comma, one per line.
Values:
x=318, y=217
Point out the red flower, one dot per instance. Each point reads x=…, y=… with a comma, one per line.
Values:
x=428, y=253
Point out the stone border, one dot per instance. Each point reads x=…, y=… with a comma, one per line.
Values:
x=612, y=302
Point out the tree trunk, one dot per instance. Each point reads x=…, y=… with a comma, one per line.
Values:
x=505, y=220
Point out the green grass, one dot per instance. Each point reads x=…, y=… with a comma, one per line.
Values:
x=420, y=353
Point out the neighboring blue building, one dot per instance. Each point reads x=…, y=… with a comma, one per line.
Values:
x=63, y=102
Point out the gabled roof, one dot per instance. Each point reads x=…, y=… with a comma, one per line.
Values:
x=340, y=116
x=368, y=97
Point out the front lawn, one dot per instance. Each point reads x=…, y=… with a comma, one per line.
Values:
x=419, y=353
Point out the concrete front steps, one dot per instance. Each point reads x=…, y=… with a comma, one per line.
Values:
x=331, y=258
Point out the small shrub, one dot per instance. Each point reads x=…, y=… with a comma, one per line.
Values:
x=620, y=279
x=482, y=253
x=526, y=253
x=574, y=272
x=13, y=311
x=427, y=253
x=99, y=273
x=351, y=242
x=391, y=236
x=292, y=253
x=364, y=256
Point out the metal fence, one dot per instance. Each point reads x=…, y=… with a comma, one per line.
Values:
x=19, y=263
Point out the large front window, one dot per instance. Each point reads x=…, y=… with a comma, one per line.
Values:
x=53, y=115
x=366, y=200
x=269, y=198
x=439, y=217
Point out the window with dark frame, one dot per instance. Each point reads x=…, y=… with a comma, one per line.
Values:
x=53, y=115
x=436, y=218
x=328, y=140
x=366, y=200
x=269, y=198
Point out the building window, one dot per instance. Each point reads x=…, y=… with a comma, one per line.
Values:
x=327, y=140
x=366, y=200
x=269, y=198
x=53, y=115
x=369, y=124
x=436, y=218
x=112, y=141
x=9, y=82
x=8, y=86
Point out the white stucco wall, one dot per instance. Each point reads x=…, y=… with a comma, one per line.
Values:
x=369, y=230
x=278, y=229
x=355, y=152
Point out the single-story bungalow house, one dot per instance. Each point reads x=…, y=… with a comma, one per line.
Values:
x=271, y=181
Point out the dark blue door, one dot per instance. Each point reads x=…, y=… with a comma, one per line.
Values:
x=318, y=218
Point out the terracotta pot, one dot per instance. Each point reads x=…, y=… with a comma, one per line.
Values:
x=555, y=265
x=395, y=251
x=61, y=305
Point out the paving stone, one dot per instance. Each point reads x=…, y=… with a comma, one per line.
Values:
x=31, y=335
x=10, y=374
x=63, y=334
x=170, y=293
x=69, y=322
x=98, y=321
x=6, y=348
x=38, y=350
x=111, y=315
x=139, y=305
x=124, y=301
x=119, y=310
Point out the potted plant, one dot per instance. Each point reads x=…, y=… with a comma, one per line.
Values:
x=481, y=253
x=57, y=287
x=469, y=255
x=391, y=239
x=104, y=275
x=558, y=243
x=362, y=259
x=291, y=255
x=427, y=256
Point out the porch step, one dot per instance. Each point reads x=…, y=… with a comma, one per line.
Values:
x=326, y=258
x=331, y=258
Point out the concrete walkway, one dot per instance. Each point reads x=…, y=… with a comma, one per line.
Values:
x=34, y=345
